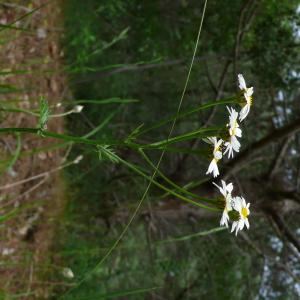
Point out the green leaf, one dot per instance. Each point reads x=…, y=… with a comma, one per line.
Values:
x=44, y=113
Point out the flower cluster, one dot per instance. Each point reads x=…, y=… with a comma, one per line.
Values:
x=234, y=208
x=230, y=142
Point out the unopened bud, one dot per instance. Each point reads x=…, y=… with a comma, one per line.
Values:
x=78, y=108
x=78, y=159
x=68, y=273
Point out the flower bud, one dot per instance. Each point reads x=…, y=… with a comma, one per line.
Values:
x=78, y=108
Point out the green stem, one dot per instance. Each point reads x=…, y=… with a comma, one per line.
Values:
x=200, y=133
x=101, y=143
x=187, y=113
x=21, y=110
x=65, y=137
x=204, y=132
x=173, y=184
x=138, y=171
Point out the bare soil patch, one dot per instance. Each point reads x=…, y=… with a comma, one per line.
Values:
x=31, y=66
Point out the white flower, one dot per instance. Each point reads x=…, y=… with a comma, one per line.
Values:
x=248, y=92
x=234, y=131
x=225, y=190
x=239, y=204
x=217, y=155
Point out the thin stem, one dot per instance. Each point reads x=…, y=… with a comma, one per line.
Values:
x=44, y=174
x=187, y=113
x=37, y=114
x=202, y=132
x=173, y=184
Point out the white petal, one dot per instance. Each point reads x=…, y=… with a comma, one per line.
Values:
x=216, y=171
x=232, y=118
x=234, y=224
x=250, y=92
x=229, y=110
x=229, y=150
x=224, y=219
x=229, y=187
x=243, y=201
x=247, y=223
x=237, y=229
x=235, y=144
x=227, y=147
x=218, y=143
x=238, y=132
x=210, y=167
x=223, y=184
x=241, y=224
x=236, y=203
x=210, y=140
x=222, y=191
x=216, y=185
x=242, y=83
x=244, y=112
x=213, y=168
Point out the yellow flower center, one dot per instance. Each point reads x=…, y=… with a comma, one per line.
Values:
x=245, y=212
x=233, y=129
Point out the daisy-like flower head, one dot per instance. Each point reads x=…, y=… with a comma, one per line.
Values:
x=225, y=190
x=217, y=155
x=234, y=131
x=247, y=93
x=239, y=205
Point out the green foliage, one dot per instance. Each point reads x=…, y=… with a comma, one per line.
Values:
x=274, y=50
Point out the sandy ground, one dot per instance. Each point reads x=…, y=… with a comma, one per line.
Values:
x=31, y=207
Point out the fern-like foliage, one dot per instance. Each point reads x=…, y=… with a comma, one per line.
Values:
x=105, y=153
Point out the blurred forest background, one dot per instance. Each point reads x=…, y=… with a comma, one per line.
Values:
x=127, y=62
